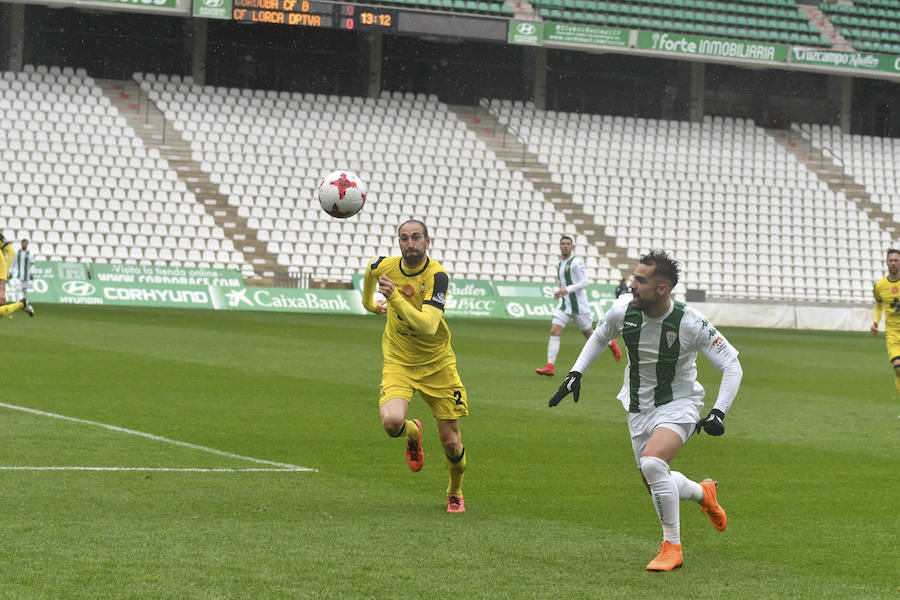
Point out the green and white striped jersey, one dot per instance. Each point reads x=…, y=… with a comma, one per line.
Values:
x=662, y=353
x=573, y=277
x=22, y=267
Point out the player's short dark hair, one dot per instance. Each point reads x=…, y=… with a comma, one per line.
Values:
x=892, y=251
x=663, y=265
x=424, y=227
x=567, y=237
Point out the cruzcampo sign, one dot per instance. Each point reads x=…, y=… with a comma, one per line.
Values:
x=677, y=43
x=848, y=60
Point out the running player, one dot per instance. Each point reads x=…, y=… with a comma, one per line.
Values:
x=417, y=352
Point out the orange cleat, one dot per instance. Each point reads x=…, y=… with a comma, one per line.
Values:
x=710, y=505
x=456, y=504
x=415, y=455
x=548, y=370
x=617, y=354
x=668, y=559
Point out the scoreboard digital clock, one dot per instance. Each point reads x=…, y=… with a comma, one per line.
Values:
x=368, y=18
x=365, y=18
x=302, y=13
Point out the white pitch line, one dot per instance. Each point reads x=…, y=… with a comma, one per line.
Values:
x=159, y=438
x=169, y=469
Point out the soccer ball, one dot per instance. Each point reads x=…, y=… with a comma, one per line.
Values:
x=341, y=194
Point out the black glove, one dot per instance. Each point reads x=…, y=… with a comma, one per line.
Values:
x=570, y=385
x=713, y=424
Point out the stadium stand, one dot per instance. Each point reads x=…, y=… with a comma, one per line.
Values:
x=870, y=25
x=873, y=161
x=777, y=21
x=487, y=7
x=747, y=217
x=80, y=185
x=266, y=151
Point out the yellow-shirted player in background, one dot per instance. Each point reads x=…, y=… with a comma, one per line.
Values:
x=417, y=352
x=7, y=253
x=887, y=300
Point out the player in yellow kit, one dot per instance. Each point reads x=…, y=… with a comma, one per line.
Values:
x=887, y=300
x=7, y=253
x=417, y=352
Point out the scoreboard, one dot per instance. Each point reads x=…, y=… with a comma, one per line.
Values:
x=305, y=13
x=356, y=17
x=368, y=18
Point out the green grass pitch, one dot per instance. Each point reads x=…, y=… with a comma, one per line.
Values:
x=807, y=468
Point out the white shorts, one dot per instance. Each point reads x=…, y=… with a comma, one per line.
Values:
x=679, y=416
x=584, y=320
x=20, y=287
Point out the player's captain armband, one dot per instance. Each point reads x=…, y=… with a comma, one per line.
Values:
x=439, y=293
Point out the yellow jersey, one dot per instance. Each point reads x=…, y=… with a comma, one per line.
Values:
x=887, y=299
x=7, y=253
x=416, y=332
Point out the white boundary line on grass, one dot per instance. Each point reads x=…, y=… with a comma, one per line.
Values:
x=161, y=469
x=280, y=466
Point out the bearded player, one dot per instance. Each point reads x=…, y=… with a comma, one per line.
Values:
x=417, y=352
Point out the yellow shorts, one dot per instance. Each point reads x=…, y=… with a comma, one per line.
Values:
x=442, y=389
x=893, y=346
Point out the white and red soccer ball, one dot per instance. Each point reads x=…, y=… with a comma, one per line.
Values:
x=341, y=194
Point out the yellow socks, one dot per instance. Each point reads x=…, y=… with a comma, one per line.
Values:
x=411, y=430
x=8, y=309
x=456, y=466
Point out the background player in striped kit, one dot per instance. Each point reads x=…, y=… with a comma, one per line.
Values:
x=21, y=271
x=661, y=392
x=573, y=304
x=7, y=255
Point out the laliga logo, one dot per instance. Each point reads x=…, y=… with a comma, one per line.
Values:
x=78, y=288
x=526, y=28
x=213, y=3
x=515, y=309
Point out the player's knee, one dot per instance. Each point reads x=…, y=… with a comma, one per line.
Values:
x=453, y=447
x=653, y=469
x=393, y=425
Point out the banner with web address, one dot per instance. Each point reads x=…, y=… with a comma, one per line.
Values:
x=222, y=289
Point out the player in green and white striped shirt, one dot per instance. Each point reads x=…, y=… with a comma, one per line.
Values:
x=7, y=255
x=21, y=271
x=573, y=304
x=661, y=392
